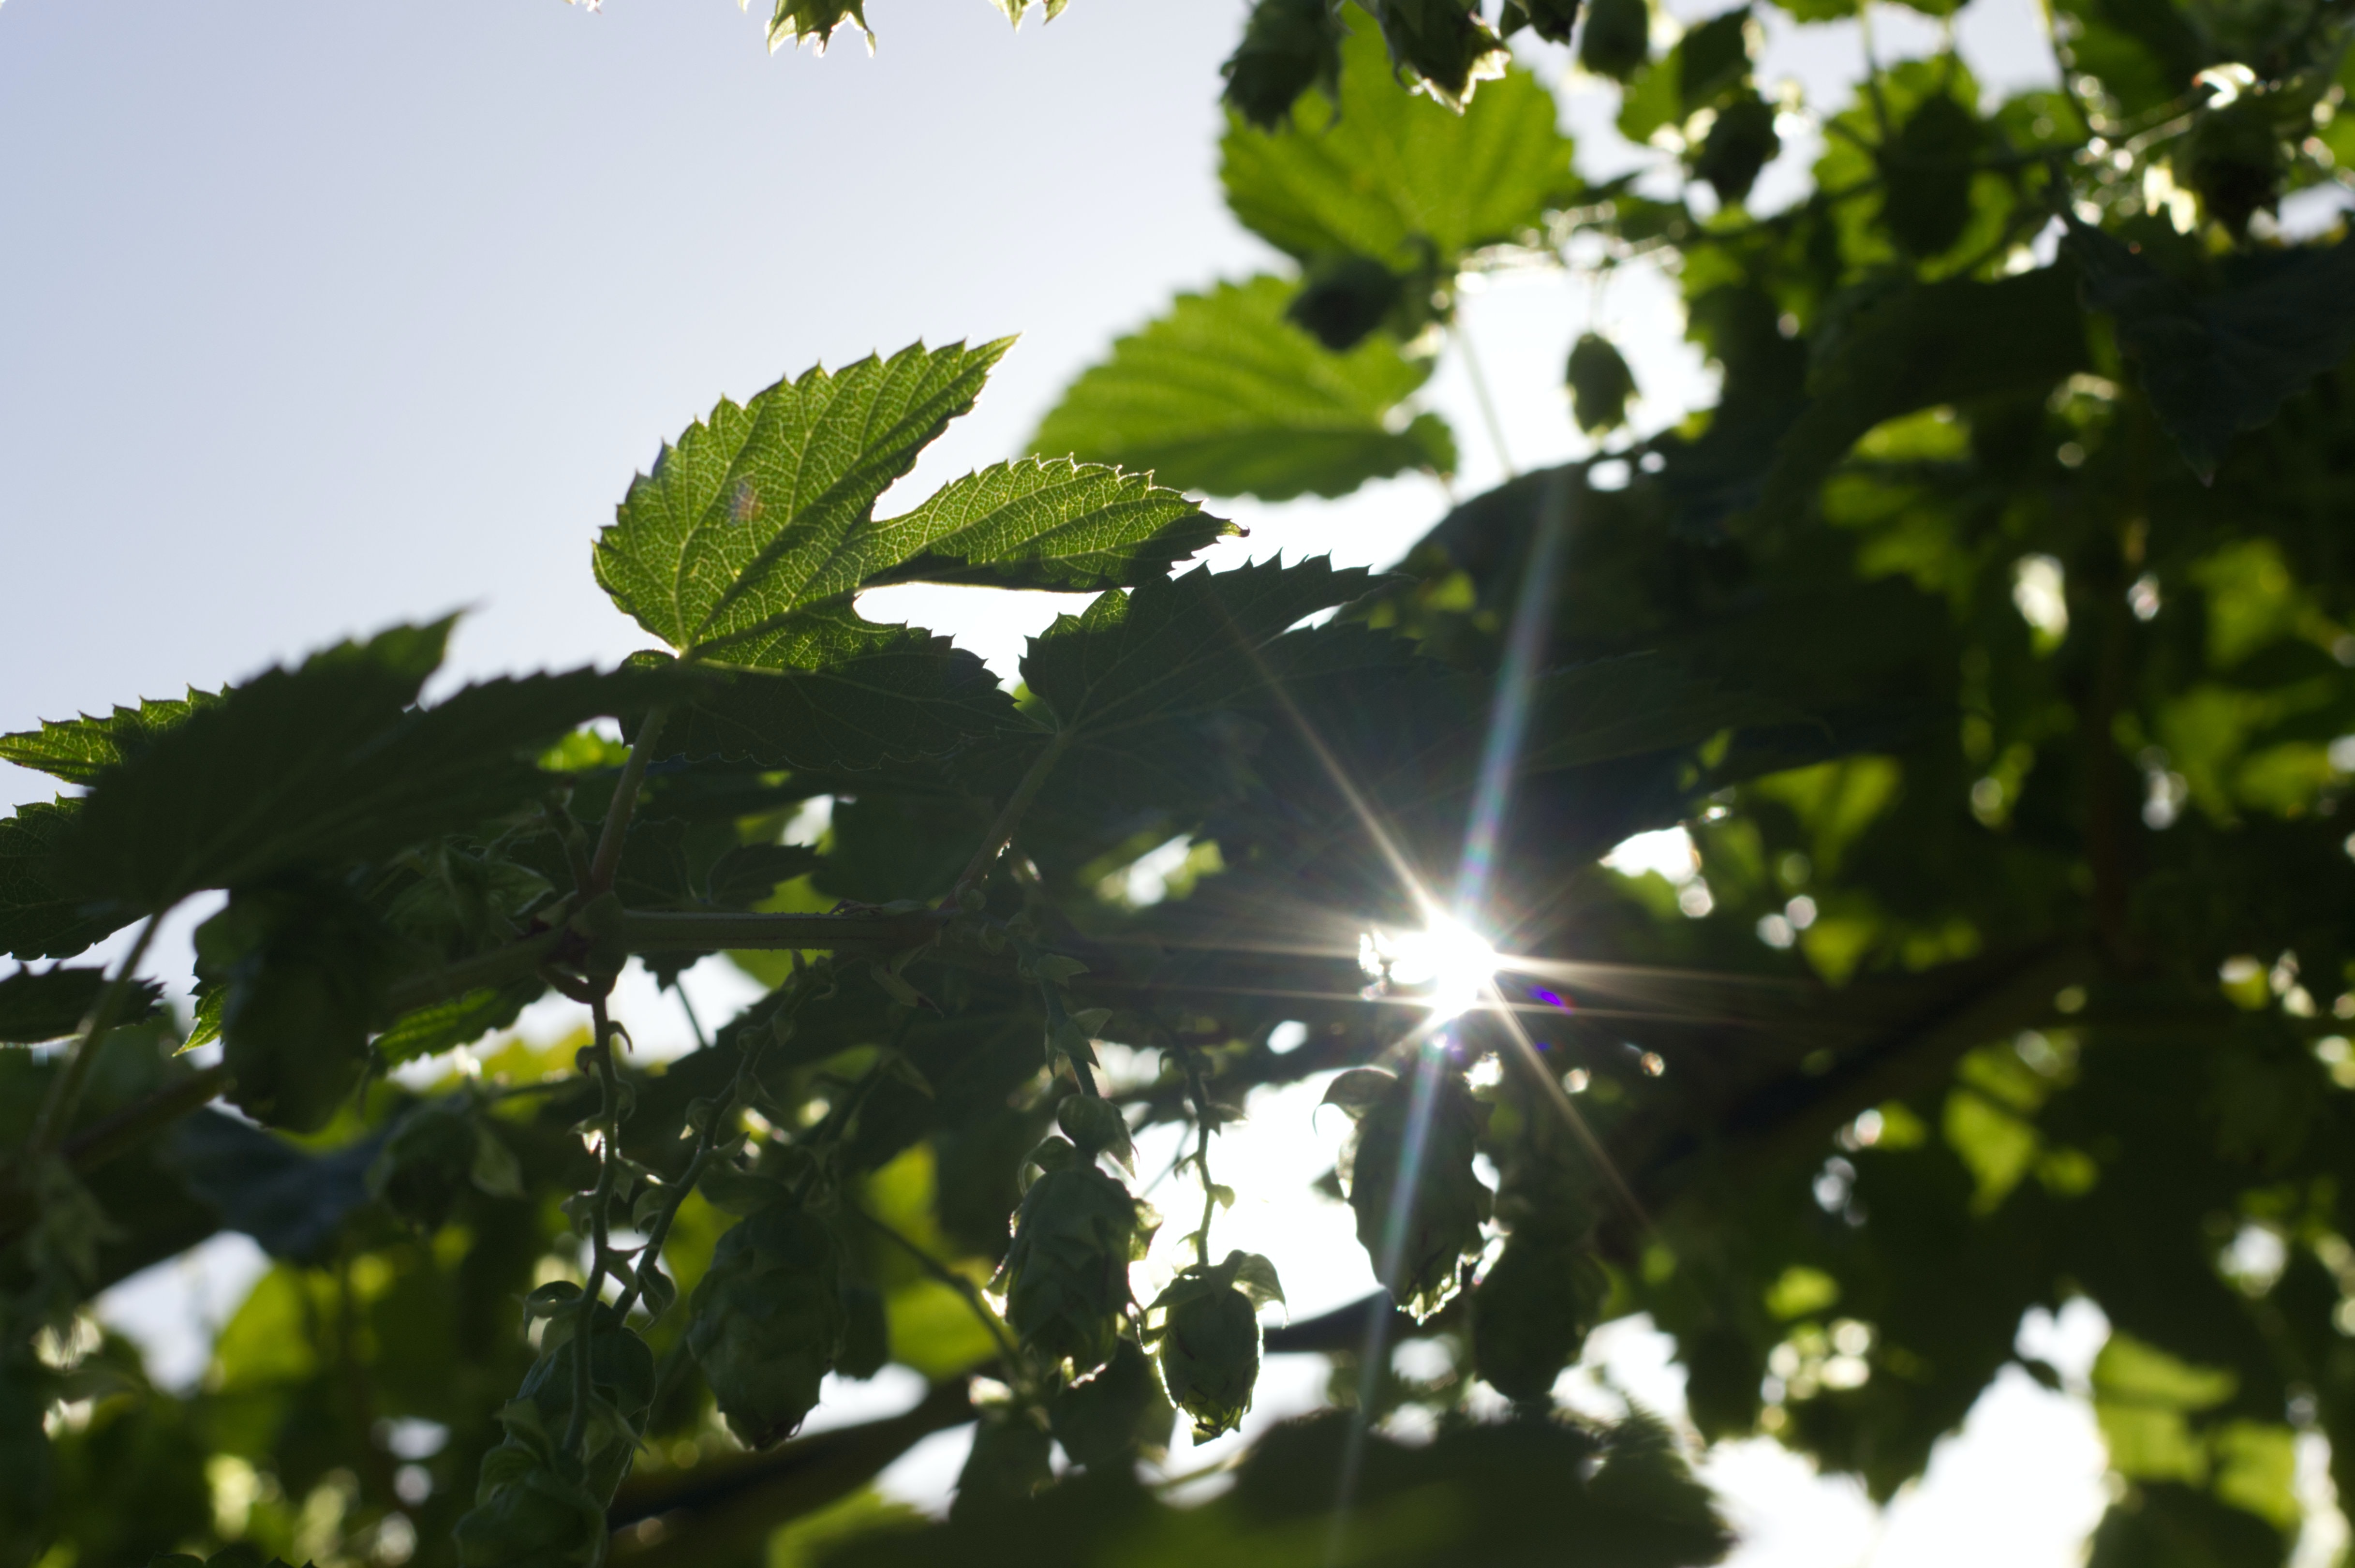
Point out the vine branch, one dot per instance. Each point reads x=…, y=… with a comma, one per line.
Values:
x=64, y=1089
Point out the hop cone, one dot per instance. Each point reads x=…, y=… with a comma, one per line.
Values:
x=1209, y=1359
x=1288, y=46
x=1445, y=1203
x=1066, y=1275
x=1530, y=1314
x=768, y=1322
x=1617, y=38
x=535, y=1507
x=529, y=1514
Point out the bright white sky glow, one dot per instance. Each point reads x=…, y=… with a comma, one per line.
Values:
x=1447, y=957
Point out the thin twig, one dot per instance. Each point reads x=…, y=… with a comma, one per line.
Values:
x=626, y=799
x=600, y=1050
x=65, y=1090
x=1202, y=1119
x=1001, y=831
x=1487, y=404
x=954, y=1281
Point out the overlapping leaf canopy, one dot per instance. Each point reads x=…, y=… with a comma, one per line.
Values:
x=1990, y=639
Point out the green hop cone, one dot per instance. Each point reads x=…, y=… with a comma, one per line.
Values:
x=768, y=1322
x=1288, y=46
x=2234, y=159
x=1209, y=1359
x=1530, y=1314
x=1741, y=141
x=1094, y=1125
x=1926, y=170
x=1106, y=1420
x=1065, y=1278
x=1012, y=1460
x=1618, y=38
x=1444, y=43
x=1600, y=385
x=1552, y=20
x=621, y=1386
x=1415, y=1250
x=866, y=1332
x=1345, y=299
x=528, y=1513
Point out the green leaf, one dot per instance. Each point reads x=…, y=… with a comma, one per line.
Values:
x=1914, y=347
x=39, y=1005
x=444, y=1026
x=1395, y=177
x=1226, y=396
x=797, y=22
x=76, y=750
x=38, y=918
x=325, y=765
x=902, y=694
x=2216, y=364
x=1044, y=523
x=761, y=509
x=1177, y=647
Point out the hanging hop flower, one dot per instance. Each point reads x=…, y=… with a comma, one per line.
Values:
x=1207, y=1329
x=769, y=1321
x=1416, y=1250
x=1531, y=1313
x=536, y=1504
x=1065, y=1278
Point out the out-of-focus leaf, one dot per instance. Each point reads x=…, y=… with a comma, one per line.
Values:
x=39, y=1005
x=322, y=764
x=902, y=694
x=1387, y=174
x=1916, y=347
x=292, y=1202
x=2216, y=364
x=1442, y=44
x=1288, y=46
x=39, y=918
x=1177, y=647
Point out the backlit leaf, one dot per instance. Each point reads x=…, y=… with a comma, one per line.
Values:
x=1398, y=177
x=1224, y=395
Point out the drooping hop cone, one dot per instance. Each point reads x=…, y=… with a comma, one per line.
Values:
x=1532, y=1312
x=768, y=1322
x=1066, y=1275
x=1425, y=1126
x=1209, y=1359
x=529, y=1514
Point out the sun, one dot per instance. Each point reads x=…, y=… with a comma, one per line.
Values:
x=1448, y=957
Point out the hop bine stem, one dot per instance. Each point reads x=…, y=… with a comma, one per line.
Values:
x=608, y=1164
x=65, y=1090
